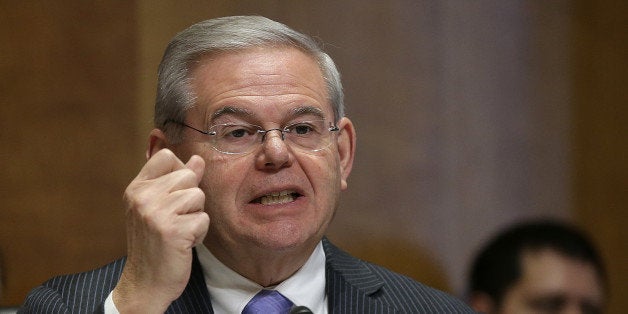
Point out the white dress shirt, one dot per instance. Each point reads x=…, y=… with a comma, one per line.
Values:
x=230, y=292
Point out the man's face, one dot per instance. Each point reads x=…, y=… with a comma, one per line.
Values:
x=268, y=87
x=553, y=283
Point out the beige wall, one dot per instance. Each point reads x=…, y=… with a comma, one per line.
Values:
x=469, y=116
x=68, y=134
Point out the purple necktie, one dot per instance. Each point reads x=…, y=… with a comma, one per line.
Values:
x=268, y=301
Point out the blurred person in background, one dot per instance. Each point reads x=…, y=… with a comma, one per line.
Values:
x=541, y=266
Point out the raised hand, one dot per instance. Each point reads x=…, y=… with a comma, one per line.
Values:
x=165, y=220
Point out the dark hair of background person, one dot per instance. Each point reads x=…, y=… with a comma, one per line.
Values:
x=498, y=265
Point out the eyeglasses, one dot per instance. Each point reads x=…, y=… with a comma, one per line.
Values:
x=242, y=138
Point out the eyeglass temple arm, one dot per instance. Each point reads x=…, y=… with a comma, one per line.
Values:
x=187, y=126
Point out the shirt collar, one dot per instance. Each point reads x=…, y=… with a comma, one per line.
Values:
x=230, y=291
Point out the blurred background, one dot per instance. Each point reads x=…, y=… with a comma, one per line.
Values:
x=470, y=115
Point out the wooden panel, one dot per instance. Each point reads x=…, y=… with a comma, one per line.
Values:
x=77, y=104
x=601, y=135
x=69, y=145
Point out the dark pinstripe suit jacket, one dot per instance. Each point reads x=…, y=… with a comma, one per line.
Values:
x=353, y=286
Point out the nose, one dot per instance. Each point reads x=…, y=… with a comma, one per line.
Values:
x=275, y=153
x=275, y=129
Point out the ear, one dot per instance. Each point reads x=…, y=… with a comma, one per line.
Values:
x=482, y=303
x=346, y=149
x=156, y=142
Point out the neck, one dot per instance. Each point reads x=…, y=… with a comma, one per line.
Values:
x=264, y=266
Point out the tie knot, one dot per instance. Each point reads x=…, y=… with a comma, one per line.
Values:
x=268, y=301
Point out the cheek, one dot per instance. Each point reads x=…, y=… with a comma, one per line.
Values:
x=323, y=174
x=332, y=173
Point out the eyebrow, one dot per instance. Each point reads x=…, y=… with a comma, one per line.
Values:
x=307, y=110
x=242, y=112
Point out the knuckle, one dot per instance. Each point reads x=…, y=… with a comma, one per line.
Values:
x=188, y=175
x=198, y=193
x=136, y=199
x=166, y=153
x=204, y=218
x=200, y=223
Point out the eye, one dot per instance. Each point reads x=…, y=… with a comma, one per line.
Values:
x=236, y=131
x=303, y=128
x=588, y=307
x=548, y=304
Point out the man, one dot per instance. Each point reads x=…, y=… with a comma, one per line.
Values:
x=538, y=267
x=245, y=167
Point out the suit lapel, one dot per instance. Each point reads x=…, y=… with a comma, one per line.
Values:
x=351, y=286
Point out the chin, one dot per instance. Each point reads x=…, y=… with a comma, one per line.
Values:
x=283, y=237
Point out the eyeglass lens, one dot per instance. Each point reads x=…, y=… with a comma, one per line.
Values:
x=243, y=138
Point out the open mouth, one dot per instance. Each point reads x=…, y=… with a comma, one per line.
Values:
x=277, y=198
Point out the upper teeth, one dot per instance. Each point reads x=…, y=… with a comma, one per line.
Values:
x=277, y=198
x=282, y=193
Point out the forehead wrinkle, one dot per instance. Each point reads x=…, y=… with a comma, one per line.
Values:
x=271, y=89
x=268, y=90
x=262, y=84
x=246, y=113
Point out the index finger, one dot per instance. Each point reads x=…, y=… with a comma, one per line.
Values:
x=161, y=163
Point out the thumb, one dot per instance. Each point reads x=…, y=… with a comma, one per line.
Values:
x=196, y=164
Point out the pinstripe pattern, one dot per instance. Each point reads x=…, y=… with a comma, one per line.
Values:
x=86, y=292
x=353, y=286
x=79, y=293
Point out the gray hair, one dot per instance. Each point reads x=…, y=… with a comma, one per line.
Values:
x=234, y=33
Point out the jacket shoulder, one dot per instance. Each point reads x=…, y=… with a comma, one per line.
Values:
x=413, y=296
x=82, y=292
x=380, y=289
